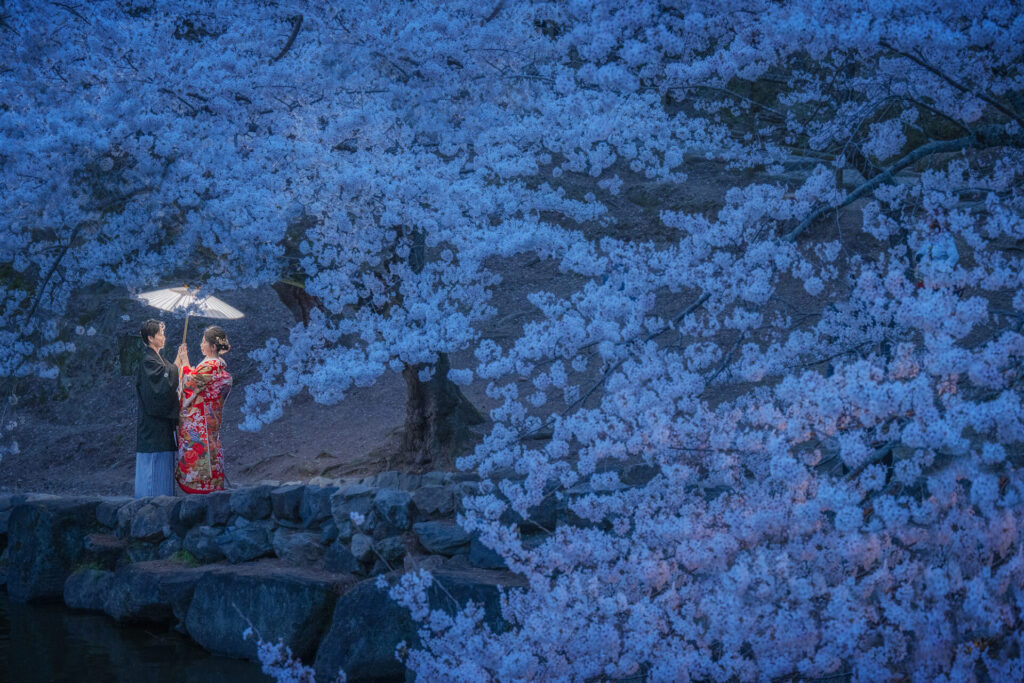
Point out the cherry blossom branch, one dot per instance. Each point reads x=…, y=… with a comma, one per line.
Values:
x=607, y=373
x=987, y=136
x=996, y=104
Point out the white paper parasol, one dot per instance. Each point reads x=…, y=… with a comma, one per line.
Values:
x=189, y=301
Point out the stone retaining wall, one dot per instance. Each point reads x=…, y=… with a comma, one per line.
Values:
x=286, y=558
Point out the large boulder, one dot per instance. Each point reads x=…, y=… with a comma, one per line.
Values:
x=193, y=510
x=542, y=517
x=443, y=538
x=106, y=511
x=435, y=478
x=169, y=547
x=46, y=541
x=246, y=543
x=159, y=591
x=391, y=551
x=483, y=556
x=316, y=504
x=105, y=550
x=342, y=531
x=329, y=532
x=88, y=589
x=126, y=513
x=393, y=509
x=300, y=548
x=339, y=559
x=252, y=502
x=201, y=542
x=140, y=551
x=368, y=624
x=286, y=501
x=153, y=521
x=218, y=507
x=349, y=499
x=362, y=548
x=279, y=602
x=433, y=502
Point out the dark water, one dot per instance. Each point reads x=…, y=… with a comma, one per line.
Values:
x=53, y=643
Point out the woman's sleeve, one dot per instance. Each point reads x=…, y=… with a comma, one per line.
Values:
x=193, y=381
x=205, y=379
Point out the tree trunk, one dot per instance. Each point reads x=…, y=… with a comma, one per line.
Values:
x=300, y=302
x=437, y=415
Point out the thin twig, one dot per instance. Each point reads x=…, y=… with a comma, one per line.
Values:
x=296, y=25
x=72, y=10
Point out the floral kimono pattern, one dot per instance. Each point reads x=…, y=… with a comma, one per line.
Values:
x=200, y=468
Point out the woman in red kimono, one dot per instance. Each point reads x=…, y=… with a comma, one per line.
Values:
x=204, y=389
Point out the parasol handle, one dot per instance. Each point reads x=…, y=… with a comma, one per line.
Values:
x=185, y=333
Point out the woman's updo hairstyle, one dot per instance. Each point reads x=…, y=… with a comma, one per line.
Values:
x=218, y=339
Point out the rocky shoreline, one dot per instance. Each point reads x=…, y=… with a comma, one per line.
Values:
x=285, y=559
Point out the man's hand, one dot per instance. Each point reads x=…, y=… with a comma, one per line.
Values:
x=181, y=360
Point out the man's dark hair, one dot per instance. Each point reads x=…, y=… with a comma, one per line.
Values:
x=150, y=328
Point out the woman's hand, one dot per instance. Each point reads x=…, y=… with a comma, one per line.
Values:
x=181, y=361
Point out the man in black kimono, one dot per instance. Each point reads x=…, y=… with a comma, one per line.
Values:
x=156, y=385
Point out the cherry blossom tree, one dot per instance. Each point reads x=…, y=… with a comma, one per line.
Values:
x=787, y=431
x=832, y=411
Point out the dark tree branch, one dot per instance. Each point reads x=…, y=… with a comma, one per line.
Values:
x=860, y=162
x=296, y=25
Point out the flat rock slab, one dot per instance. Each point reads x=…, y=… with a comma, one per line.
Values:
x=46, y=540
x=368, y=624
x=288, y=603
x=106, y=549
x=443, y=538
